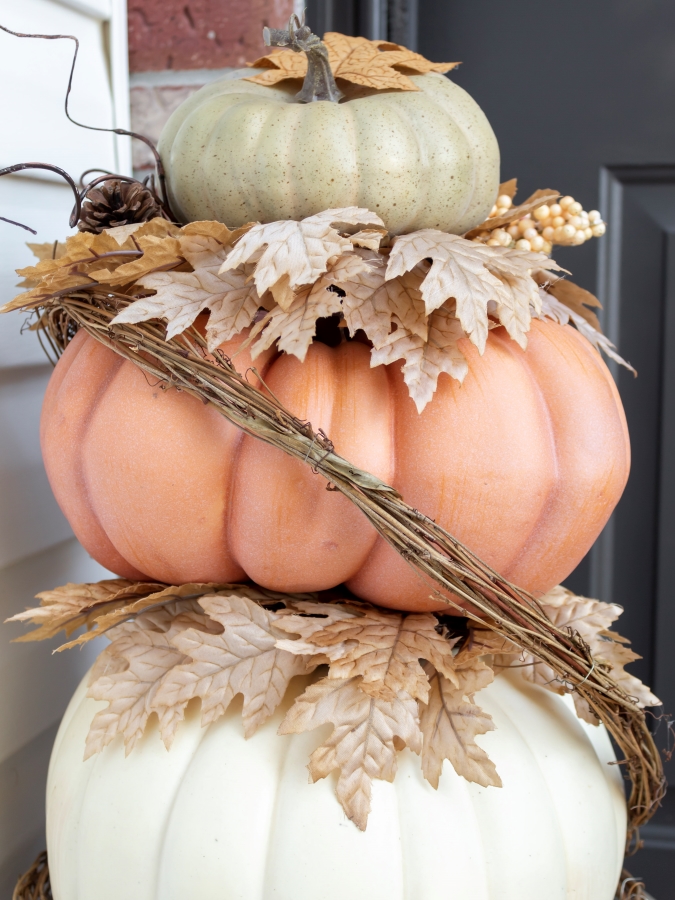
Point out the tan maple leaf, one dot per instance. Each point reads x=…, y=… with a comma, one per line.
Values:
x=295, y=328
x=373, y=64
x=71, y=606
x=367, y=732
x=450, y=723
x=301, y=250
x=242, y=660
x=130, y=673
x=475, y=276
x=590, y=619
x=426, y=359
x=384, y=648
x=372, y=304
x=181, y=296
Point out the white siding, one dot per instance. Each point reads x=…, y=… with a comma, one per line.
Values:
x=37, y=549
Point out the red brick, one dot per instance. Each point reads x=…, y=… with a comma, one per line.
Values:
x=200, y=34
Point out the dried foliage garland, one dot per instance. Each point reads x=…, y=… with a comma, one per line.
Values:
x=183, y=363
x=394, y=679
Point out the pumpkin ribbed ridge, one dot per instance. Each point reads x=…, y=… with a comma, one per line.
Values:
x=220, y=818
x=524, y=463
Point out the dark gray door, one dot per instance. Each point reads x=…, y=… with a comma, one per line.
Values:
x=581, y=95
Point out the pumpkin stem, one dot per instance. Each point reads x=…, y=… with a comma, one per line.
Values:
x=319, y=83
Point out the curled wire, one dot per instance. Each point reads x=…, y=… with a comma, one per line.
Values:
x=164, y=197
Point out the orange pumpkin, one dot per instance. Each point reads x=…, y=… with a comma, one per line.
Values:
x=524, y=463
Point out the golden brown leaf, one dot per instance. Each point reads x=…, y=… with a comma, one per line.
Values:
x=450, y=724
x=508, y=188
x=367, y=732
x=534, y=201
x=577, y=299
x=373, y=64
x=552, y=308
x=158, y=253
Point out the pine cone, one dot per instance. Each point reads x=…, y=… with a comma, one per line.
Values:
x=116, y=202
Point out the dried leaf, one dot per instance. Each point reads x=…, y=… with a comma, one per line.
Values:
x=241, y=660
x=158, y=227
x=534, y=201
x=591, y=620
x=384, y=648
x=158, y=253
x=370, y=238
x=508, y=188
x=50, y=250
x=425, y=360
x=148, y=656
x=363, y=744
x=125, y=610
x=373, y=64
x=69, y=607
x=181, y=296
x=450, y=724
x=475, y=276
x=300, y=250
x=552, y=308
x=294, y=328
x=577, y=299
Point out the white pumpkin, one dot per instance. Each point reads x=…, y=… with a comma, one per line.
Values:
x=240, y=152
x=221, y=818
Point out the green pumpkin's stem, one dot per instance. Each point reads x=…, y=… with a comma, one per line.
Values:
x=319, y=82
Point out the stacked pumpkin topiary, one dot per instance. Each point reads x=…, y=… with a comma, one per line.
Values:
x=369, y=227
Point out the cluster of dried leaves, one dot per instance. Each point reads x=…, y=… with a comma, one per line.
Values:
x=378, y=65
x=415, y=299
x=394, y=680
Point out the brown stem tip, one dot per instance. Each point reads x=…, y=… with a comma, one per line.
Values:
x=319, y=83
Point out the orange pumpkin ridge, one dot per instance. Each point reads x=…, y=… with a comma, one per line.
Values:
x=523, y=463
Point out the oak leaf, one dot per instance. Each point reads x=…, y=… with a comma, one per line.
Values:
x=300, y=250
x=367, y=732
x=426, y=359
x=384, y=648
x=475, y=276
x=242, y=660
x=450, y=723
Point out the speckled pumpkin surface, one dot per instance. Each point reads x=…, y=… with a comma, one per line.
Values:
x=241, y=152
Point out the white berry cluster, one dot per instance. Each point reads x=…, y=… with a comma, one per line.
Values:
x=564, y=222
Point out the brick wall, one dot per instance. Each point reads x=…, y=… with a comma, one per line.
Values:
x=176, y=46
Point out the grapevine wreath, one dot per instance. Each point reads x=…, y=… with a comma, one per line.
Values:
x=443, y=282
